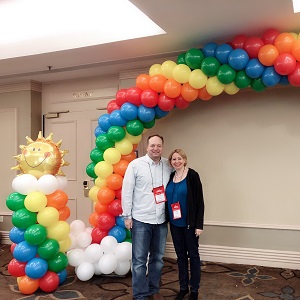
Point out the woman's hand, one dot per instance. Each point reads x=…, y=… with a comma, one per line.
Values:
x=198, y=232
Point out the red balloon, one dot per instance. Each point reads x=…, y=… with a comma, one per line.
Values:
x=238, y=41
x=181, y=103
x=121, y=97
x=270, y=35
x=149, y=98
x=119, y=193
x=252, y=46
x=294, y=77
x=106, y=221
x=16, y=268
x=12, y=247
x=115, y=208
x=98, y=234
x=49, y=282
x=112, y=105
x=165, y=103
x=133, y=96
x=285, y=63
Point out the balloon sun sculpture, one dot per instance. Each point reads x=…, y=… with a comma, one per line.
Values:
x=245, y=62
x=40, y=236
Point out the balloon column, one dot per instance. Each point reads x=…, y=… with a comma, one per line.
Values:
x=245, y=62
x=40, y=234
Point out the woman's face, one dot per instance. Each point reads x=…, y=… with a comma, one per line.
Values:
x=177, y=162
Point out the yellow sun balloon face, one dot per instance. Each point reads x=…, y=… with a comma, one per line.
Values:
x=41, y=157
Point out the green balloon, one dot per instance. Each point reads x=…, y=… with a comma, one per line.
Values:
x=210, y=66
x=116, y=133
x=242, y=80
x=96, y=155
x=90, y=170
x=23, y=218
x=58, y=263
x=135, y=127
x=103, y=142
x=194, y=57
x=149, y=124
x=128, y=240
x=35, y=234
x=226, y=74
x=48, y=249
x=128, y=234
x=181, y=59
x=15, y=201
x=257, y=85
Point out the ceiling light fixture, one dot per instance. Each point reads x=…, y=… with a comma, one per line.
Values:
x=296, y=6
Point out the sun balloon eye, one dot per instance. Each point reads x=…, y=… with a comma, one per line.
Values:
x=33, y=149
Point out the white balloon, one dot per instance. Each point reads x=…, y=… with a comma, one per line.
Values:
x=109, y=244
x=83, y=239
x=122, y=268
x=85, y=271
x=25, y=184
x=76, y=257
x=47, y=184
x=123, y=251
x=107, y=263
x=89, y=230
x=62, y=182
x=96, y=269
x=76, y=227
x=73, y=241
x=93, y=253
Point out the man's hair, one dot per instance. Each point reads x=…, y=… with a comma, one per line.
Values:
x=151, y=136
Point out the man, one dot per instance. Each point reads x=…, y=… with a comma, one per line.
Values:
x=143, y=204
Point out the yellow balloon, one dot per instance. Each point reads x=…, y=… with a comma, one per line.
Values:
x=48, y=216
x=100, y=182
x=214, y=87
x=231, y=88
x=35, y=201
x=125, y=146
x=133, y=139
x=197, y=79
x=59, y=231
x=65, y=244
x=181, y=73
x=155, y=70
x=103, y=169
x=295, y=35
x=167, y=68
x=94, y=191
x=112, y=155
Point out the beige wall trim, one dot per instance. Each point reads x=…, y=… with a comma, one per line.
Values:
x=248, y=256
x=22, y=86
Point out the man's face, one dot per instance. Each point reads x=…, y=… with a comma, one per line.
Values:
x=154, y=148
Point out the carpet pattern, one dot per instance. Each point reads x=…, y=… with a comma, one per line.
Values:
x=219, y=282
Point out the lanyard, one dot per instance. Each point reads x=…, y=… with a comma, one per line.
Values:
x=162, y=174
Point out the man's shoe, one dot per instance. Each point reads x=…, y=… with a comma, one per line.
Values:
x=193, y=296
x=181, y=294
x=157, y=297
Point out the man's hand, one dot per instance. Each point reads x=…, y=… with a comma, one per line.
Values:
x=128, y=223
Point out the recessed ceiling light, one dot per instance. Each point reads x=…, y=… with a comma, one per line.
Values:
x=296, y=5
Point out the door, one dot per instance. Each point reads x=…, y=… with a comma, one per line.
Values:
x=76, y=130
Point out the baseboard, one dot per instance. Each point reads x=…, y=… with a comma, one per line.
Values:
x=248, y=256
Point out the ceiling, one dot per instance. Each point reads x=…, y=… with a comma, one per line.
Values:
x=187, y=24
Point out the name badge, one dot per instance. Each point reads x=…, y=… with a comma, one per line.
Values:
x=159, y=194
x=176, y=210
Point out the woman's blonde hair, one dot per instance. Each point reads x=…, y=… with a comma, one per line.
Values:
x=181, y=153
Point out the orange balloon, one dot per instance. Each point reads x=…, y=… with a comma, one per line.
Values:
x=134, y=146
x=58, y=199
x=284, y=42
x=296, y=50
x=142, y=81
x=172, y=88
x=106, y=195
x=64, y=213
x=28, y=285
x=120, y=167
x=129, y=157
x=189, y=93
x=204, y=95
x=267, y=55
x=100, y=208
x=114, y=181
x=93, y=219
x=157, y=82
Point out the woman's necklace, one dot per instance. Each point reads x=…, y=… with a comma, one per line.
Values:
x=179, y=177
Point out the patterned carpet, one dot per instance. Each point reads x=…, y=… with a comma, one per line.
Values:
x=219, y=282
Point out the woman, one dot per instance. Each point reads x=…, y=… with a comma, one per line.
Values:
x=185, y=211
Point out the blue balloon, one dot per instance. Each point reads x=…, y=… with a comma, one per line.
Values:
x=284, y=80
x=209, y=49
x=159, y=112
x=146, y=114
x=116, y=118
x=103, y=122
x=118, y=233
x=24, y=252
x=16, y=235
x=238, y=59
x=222, y=52
x=120, y=222
x=36, y=268
x=129, y=111
x=62, y=275
x=270, y=77
x=254, y=68
x=98, y=131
